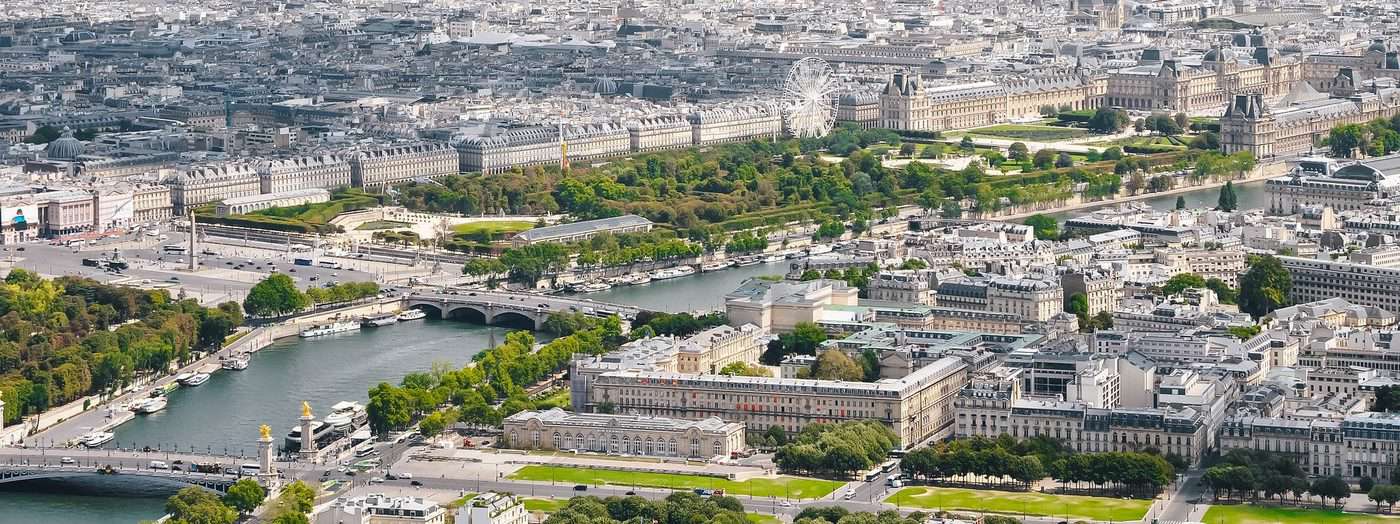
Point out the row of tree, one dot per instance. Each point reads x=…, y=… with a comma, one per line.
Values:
x=1246, y=474
x=837, y=450
x=64, y=339
x=1378, y=137
x=981, y=460
x=497, y=374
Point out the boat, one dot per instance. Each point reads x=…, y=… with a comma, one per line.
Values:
x=773, y=259
x=97, y=438
x=379, y=320
x=181, y=378
x=714, y=266
x=636, y=279
x=746, y=261
x=329, y=329
x=345, y=416
x=322, y=431
x=235, y=363
x=684, y=271
x=591, y=287
x=664, y=274
x=168, y=388
x=819, y=249
x=196, y=380
x=150, y=405
x=412, y=314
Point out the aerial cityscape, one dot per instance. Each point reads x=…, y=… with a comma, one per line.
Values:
x=659, y=262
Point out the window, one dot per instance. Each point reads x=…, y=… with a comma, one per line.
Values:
x=718, y=448
x=695, y=447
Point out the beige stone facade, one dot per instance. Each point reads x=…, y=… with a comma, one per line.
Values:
x=629, y=434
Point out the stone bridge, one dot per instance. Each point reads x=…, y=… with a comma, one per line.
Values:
x=9, y=473
x=496, y=307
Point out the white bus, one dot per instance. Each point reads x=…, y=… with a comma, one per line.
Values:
x=248, y=470
x=329, y=264
x=174, y=249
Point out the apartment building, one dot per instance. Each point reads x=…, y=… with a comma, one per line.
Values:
x=949, y=319
x=303, y=172
x=1224, y=264
x=202, y=185
x=903, y=286
x=1102, y=289
x=659, y=133
x=1317, y=445
x=493, y=508
x=500, y=151
x=779, y=306
x=917, y=407
x=1360, y=284
x=594, y=141
x=736, y=123
x=1030, y=299
x=380, y=167
x=628, y=434
x=151, y=203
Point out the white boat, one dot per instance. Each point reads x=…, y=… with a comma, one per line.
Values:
x=771, y=259
x=347, y=415
x=379, y=320
x=196, y=380
x=747, y=261
x=636, y=279
x=235, y=363
x=592, y=287
x=412, y=314
x=181, y=378
x=330, y=329
x=714, y=266
x=819, y=249
x=97, y=438
x=150, y=405
x=684, y=271
x=664, y=274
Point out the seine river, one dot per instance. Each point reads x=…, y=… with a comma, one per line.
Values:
x=223, y=414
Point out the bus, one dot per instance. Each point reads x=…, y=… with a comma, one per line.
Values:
x=329, y=264
x=174, y=249
x=301, y=261
x=248, y=470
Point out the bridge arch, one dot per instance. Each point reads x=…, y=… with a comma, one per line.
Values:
x=431, y=309
x=515, y=319
x=468, y=313
x=216, y=484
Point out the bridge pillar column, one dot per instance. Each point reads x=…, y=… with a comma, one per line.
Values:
x=267, y=469
x=308, y=439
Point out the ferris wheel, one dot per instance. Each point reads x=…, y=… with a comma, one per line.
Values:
x=808, y=93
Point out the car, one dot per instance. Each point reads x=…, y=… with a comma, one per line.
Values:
x=580, y=487
x=177, y=462
x=849, y=495
x=406, y=476
x=630, y=493
x=785, y=504
x=415, y=483
x=291, y=270
x=20, y=248
x=326, y=473
x=314, y=278
x=174, y=279
x=228, y=263
x=67, y=461
x=390, y=476
x=156, y=464
x=175, y=468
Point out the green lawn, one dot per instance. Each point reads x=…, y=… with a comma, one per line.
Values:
x=1016, y=503
x=494, y=227
x=1245, y=514
x=788, y=487
x=382, y=224
x=1029, y=132
x=558, y=399
x=544, y=505
x=759, y=518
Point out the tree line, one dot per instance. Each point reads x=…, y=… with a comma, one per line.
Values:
x=499, y=374
x=837, y=450
x=980, y=460
x=278, y=295
x=63, y=339
x=1247, y=473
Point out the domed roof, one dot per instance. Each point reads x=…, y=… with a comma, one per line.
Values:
x=1378, y=46
x=1219, y=54
x=65, y=148
x=605, y=86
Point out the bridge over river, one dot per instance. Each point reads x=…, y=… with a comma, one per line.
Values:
x=496, y=307
x=23, y=464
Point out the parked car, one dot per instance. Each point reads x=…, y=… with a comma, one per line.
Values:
x=415, y=483
x=67, y=461
x=580, y=487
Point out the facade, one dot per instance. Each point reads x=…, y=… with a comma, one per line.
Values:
x=1297, y=123
x=659, y=133
x=917, y=407
x=1224, y=264
x=589, y=142
x=579, y=231
x=1353, y=187
x=67, y=212
x=151, y=203
x=1102, y=289
x=736, y=123
x=1379, y=61
x=1031, y=300
x=779, y=306
x=305, y=172
x=503, y=150
x=907, y=286
x=949, y=319
x=378, y=508
x=249, y=204
x=860, y=109
x=907, y=104
x=1361, y=284
x=710, y=350
x=493, y=508
x=203, y=185
x=629, y=434
x=381, y=167
x=1160, y=83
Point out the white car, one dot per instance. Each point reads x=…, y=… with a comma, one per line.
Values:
x=405, y=476
x=376, y=480
x=785, y=504
x=67, y=461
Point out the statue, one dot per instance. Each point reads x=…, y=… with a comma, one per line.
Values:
x=266, y=431
x=305, y=409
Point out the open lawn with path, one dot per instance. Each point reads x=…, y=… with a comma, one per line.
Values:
x=1029, y=132
x=544, y=505
x=1247, y=514
x=1017, y=503
x=493, y=227
x=787, y=487
x=382, y=224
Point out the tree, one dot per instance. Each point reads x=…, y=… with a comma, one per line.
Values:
x=832, y=364
x=1046, y=227
x=44, y=135
x=1043, y=159
x=291, y=518
x=298, y=497
x=804, y=339
x=1113, y=153
x=1018, y=151
x=1264, y=287
x=1207, y=141
x=951, y=209
x=1366, y=483
x=275, y=295
x=1181, y=202
x=1333, y=487
x=743, y=369
x=1228, y=201
x=198, y=506
x=245, y=495
x=966, y=143
x=433, y=424
x=1345, y=140
x=389, y=408
x=1064, y=160
x=1108, y=120
x=1078, y=305
x=477, y=267
x=528, y=264
x=1178, y=283
x=907, y=149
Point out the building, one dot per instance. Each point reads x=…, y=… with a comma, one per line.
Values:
x=493, y=508
x=67, y=212
x=903, y=286
x=380, y=167
x=1160, y=83
x=249, y=204
x=1102, y=289
x=580, y=231
x=500, y=151
x=907, y=104
x=1315, y=445
x=151, y=203
x=202, y=185
x=1379, y=61
x=949, y=319
x=659, y=133
x=303, y=172
x=1297, y=123
x=629, y=434
x=860, y=109
x=1223, y=264
x=917, y=407
x=711, y=350
x=1030, y=299
x=1360, y=284
x=378, y=508
x=780, y=306
x=1316, y=184
x=736, y=123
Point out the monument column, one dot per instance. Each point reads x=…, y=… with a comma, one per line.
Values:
x=267, y=473
x=308, y=438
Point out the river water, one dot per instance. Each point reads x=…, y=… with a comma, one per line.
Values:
x=223, y=415
x=1249, y=195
